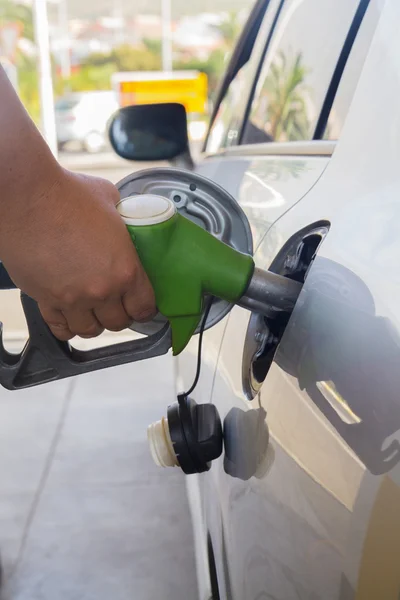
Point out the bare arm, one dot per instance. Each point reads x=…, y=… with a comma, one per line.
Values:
x=61, y=238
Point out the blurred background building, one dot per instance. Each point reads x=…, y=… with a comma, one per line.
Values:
x=93, y=39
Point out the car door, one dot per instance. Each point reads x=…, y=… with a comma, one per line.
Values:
x=267, y=179
x=278, y=513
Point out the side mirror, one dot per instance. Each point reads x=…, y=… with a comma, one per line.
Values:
x=151, y=132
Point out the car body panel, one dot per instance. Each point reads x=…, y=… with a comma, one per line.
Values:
x=320, y=519
x=284, y=181
x=265, y=186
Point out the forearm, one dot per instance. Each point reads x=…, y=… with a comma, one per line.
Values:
x=27, y=166
x=62, y=240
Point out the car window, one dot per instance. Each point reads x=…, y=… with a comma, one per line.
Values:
x=229, y=113
x=352, y=72
x=222, y=134
x=297, y=70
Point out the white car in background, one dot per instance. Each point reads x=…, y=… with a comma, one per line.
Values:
x=304, y=503
x=83, y=118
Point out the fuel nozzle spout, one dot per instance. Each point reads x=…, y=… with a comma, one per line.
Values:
x=267, y=290
x=185, y=263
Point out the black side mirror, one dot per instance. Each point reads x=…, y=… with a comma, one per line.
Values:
x=150, y=132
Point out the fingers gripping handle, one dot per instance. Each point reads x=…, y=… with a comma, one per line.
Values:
x=184, y=263
x=45, y=359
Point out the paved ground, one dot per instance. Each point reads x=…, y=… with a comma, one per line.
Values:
x=84, y=513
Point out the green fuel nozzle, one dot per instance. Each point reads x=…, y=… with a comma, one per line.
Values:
x=185, y=264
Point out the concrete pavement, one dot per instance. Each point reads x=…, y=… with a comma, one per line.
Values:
x=84, y=513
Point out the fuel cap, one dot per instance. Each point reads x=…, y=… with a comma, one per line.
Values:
x=189, y=437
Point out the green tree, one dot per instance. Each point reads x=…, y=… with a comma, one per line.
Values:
x=89, y=78
x=230, y=29
x=11, y=12
x=213, y=67
x=126, y=58
x=283, y=99
x=96, y=71
x=153, y=45
x=28, y=85
x=97, y=59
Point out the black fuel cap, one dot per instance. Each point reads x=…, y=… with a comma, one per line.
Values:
x=196, y=434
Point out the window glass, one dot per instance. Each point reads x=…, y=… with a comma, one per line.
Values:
x=297, y=70
x=352, y=72
x=222, y=133
x=228, y=120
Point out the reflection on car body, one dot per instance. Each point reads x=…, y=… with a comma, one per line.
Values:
x=346, y=359
x=304, y=503
x=325, y=398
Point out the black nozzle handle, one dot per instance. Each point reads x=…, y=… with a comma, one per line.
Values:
x=6, y=283
x=44, y=358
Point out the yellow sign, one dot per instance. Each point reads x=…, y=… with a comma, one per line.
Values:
x=189, y=90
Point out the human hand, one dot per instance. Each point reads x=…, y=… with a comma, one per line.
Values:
x=70, y=251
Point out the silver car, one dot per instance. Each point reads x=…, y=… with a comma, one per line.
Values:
x=304, y=502
x=83, y=117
